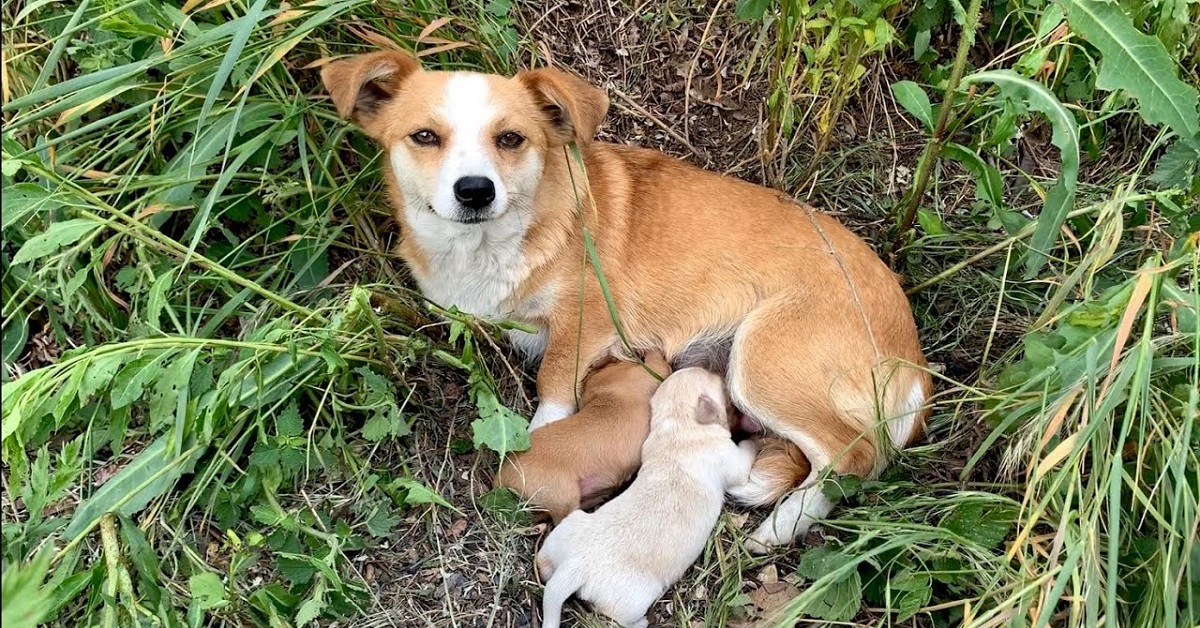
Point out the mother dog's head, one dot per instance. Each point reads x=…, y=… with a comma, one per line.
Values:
x=467, y=147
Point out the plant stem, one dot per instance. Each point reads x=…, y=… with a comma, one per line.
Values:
x=933, y=150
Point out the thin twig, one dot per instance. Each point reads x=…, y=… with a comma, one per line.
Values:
x=633, y=107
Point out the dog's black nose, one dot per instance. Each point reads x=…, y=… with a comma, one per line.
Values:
x=475, y=192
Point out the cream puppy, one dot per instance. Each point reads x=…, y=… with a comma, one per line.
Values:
x=622, y=557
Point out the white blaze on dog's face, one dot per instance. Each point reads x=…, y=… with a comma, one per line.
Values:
x=467, y=147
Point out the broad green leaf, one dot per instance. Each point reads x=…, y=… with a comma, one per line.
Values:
x=1139, y=64
x=15, y=335
x=988, y=528
x=150, y=474
x=418, y=493
x=22, y=199
x=931, y=223
x=59, y=234
x=499, y=428
x=842, y=599
x=915, y=101
x=169, y=403
x=1061, y=197
x=751, y=9
x=207, y=590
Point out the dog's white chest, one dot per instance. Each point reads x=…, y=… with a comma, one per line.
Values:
x=475, y=268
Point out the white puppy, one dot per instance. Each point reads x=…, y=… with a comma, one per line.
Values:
x=625, y=555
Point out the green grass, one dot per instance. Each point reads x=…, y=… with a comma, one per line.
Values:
x=224, y=403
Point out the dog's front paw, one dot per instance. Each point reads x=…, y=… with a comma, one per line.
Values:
x=765, y=539
x=549, y=412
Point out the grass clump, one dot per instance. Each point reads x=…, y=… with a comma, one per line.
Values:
x=223, y=403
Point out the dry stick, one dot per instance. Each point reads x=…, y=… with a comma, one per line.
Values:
x=640, y=110
x=934, y=149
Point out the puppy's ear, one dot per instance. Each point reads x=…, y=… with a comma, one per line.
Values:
x=710, y=412
x=574, y=108
x=360, y=85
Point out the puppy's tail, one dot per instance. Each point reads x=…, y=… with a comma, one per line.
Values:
x=562, y=585
x=779, y=467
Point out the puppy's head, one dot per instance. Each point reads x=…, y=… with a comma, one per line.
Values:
x=693, y=396
x=616, y=374
x=464, y=146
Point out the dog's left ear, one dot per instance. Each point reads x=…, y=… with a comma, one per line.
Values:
x=710, y=412
x=574, y=107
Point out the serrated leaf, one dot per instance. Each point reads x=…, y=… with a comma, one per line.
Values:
x=312, y=607
x=59, y=234
x=840, y=600
x=1139, y=64
x=100, y=372
x=915, y=101
x=150, y=474
x=819, y=562
x=1178, y=166
x=1061, y=197
x=910, y=593
x=169, y=402
x=417, y=493
x=130, y=382
x=25, y=599
x=288, y=423
x=988, y=528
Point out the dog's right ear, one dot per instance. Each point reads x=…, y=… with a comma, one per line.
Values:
x=361, y=84
x=710, y=412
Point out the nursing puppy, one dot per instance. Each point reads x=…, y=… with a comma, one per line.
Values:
x=492, y=205
x=588, y=454
x=622, y=557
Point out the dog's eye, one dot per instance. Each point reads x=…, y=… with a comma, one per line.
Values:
x=425, y=137
x=510, y=140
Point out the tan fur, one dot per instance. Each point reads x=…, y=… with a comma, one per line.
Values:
x=825, y=352
x=602, y=443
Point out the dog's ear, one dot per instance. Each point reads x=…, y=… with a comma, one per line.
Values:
x=573, y=107
x=360, y=85
x=710, y=412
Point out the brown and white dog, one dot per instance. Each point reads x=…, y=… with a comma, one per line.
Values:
x=492, y=203
x=584, y=457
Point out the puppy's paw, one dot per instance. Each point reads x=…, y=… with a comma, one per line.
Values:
x=549, y=412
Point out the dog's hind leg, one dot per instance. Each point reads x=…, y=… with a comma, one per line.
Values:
x=811, y=378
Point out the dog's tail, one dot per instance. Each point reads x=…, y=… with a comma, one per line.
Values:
x=563, y=584
x=779, y=468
